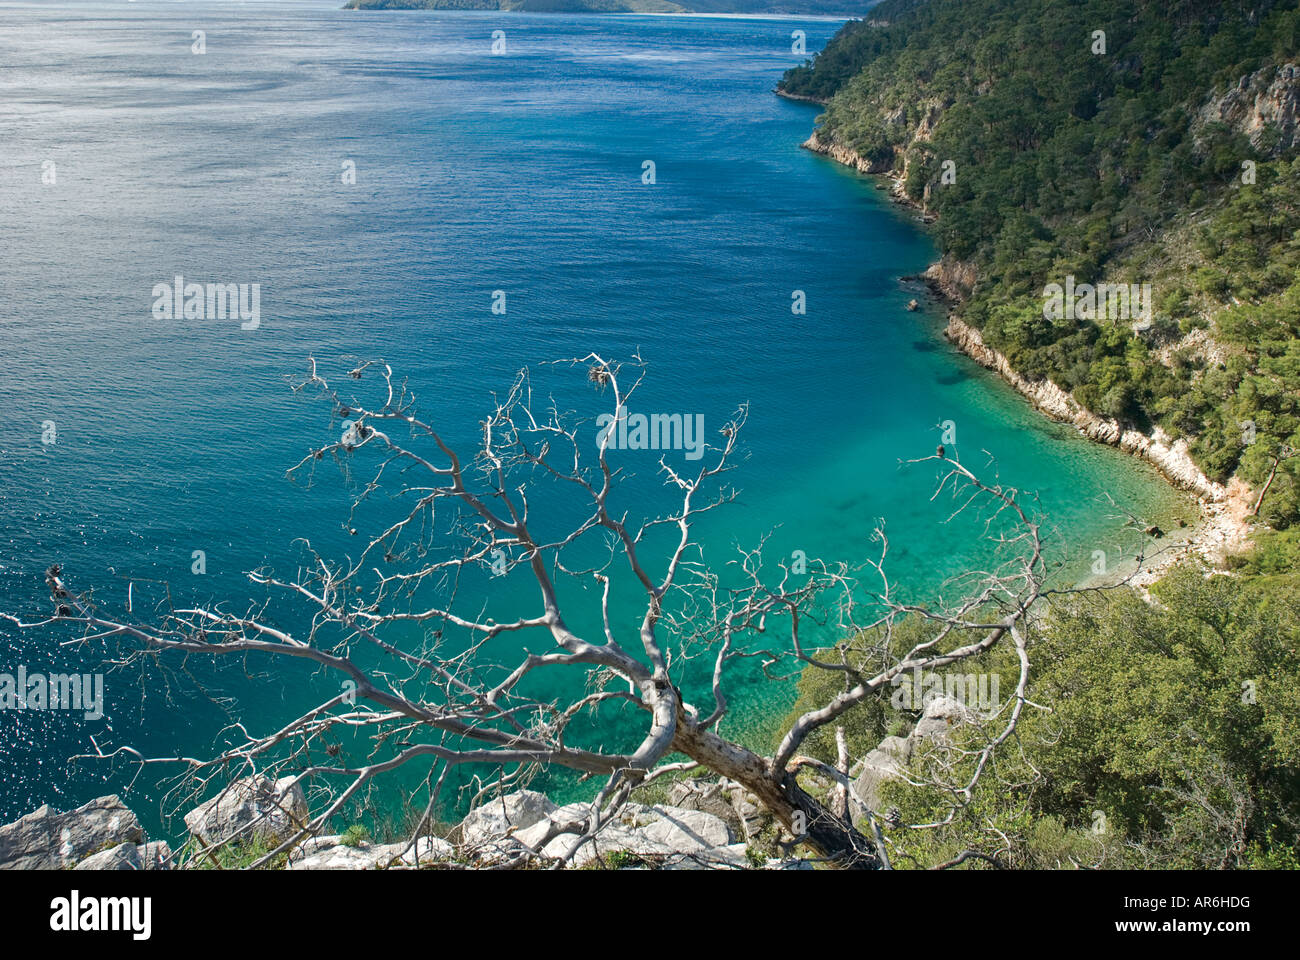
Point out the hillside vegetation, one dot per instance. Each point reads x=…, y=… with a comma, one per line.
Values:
x=1162, y=735
x=1162, y=150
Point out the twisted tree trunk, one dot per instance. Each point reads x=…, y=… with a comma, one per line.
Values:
x=806, y=818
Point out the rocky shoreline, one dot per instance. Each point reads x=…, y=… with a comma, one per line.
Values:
x=703, y=826
x=844, y=155
x=1223, y=526
x=798, y=97
x=1168, y=456
x=692, y=823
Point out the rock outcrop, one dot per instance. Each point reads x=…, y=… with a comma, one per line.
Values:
x=330, y=853
x=514, y=829
x=130, y=856
x=664, y=836
x=800, y=97
x=951, y=278
x=527, y=826
x=829, y=147
x=888, y=761
x=254, y=809
x=896, y=164
x=726, y=800
x=504, y=815
x=46, y=840
x=1168, y=456
x=1265, y=106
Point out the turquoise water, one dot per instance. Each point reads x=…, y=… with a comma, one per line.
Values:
x=474, y=173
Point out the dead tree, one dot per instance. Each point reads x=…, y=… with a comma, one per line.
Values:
x=443, y=709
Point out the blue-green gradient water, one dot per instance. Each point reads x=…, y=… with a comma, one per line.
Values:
x=474, y=173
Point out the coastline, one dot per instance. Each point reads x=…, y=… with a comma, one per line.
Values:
x=798, y=97
x=1169, y=457
x=1222, y=526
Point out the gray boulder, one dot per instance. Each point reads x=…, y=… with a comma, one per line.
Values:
x=497, y=818
x=125, y=856
x=789, y=864
x=733, y=856
x=886, y=762
x=724, y=799
x=156, y=855
x=940, y=715
x=46, y=840
x=709, y=796
x=752, y=816
x=255, y=808
x=665, y=836
x=130, y=856
x=327, y=853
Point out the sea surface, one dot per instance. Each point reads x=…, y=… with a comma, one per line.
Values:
x=130, y=441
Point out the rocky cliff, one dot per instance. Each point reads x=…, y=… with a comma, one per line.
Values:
x=1265, y=106
x=951, y=278
x=829, y=147
x=909, y=133
x=1168, y=456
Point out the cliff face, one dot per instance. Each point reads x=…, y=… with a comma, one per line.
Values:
x=953, y=278
x=840, y=153
x=897, y=166
x=1169, y=457
x=799, y=98
x=1265, y=106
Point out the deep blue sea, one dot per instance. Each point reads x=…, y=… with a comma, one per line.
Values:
x=127, y=159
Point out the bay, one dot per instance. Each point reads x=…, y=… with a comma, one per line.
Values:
x=474, y=173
